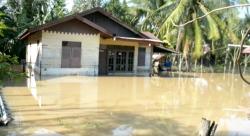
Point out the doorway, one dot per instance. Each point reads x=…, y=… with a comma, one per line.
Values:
x=120, y=59
x=103, y=60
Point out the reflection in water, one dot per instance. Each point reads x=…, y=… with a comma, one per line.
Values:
x=31, y=85
x=76, y=105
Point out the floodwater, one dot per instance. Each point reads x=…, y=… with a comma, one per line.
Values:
x=124, y=106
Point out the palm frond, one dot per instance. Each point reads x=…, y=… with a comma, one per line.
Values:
x=198, y=49
x=223, y=26
x=213, y=28
x=174, y=17
x=158, y=13
x=187, y=40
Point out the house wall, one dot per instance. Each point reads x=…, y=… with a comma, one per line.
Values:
x=48, y=52
x=52, y=52
x=138, y=70
x=34, y=52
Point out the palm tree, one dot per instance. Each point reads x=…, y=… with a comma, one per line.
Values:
x=150, y=14
x=187, y=10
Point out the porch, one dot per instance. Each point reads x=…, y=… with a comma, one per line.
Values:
x=124, y=57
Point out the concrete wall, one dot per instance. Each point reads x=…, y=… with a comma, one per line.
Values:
x=49, y=49
x=52, y=51
x=34, y=52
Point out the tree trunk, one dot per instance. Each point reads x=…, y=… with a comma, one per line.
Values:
x=179, y=39
x=207, y=128
x=187, y=64
x=226, y=60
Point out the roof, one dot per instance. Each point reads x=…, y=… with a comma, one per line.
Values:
x=145, y=36
x=150, y=35
x=110, y=16
x=65, y=19
x=162, y=49
x=140, y=39
x=246, y=51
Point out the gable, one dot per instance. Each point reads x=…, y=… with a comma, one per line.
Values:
x=110, y=25
x=73, y=23
x=73, y=26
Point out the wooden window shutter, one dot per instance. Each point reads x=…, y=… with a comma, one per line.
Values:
x=71, y=54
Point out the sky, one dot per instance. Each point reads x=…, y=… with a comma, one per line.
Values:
x=69, y=4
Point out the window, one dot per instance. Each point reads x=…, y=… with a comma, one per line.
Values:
x=141, y=56
x=71, y=54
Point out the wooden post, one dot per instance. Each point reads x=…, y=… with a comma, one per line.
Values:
x=207, y=128
x=3, y=114
x=40, y=70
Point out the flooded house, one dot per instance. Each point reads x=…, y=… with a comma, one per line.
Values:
x=89, y=43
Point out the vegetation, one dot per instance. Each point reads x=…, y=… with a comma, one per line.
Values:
x=6, y=61
x=205, y=38
x=81, y=5
x=7, y=73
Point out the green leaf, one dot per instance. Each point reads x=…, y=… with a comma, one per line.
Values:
x=213, y=28
x=198, y=49
x=174, y=17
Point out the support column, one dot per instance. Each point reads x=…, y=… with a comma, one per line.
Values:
x=135, y=60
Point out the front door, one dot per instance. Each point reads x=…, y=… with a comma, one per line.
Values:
x=121, y=61
x=120, y=58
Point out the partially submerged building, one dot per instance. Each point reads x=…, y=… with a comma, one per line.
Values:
x=90, y=43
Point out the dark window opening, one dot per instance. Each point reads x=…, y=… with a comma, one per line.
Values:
x=141, y=56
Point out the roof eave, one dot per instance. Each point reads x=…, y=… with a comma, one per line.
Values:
x=152, y=41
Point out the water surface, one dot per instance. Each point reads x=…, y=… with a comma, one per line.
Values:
x=157, y=106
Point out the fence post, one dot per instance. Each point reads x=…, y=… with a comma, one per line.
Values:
x=208, y=128
x=3, y=114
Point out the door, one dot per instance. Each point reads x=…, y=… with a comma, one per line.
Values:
x=71, y=54
x=120, y=58
x=121, y=61
x=103, y=60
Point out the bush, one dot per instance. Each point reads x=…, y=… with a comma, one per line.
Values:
x=6, y=71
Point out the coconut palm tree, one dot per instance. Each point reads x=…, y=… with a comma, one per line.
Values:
x=150, y=14
x=195, y=33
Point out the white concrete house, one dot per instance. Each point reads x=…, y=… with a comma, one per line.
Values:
x=90, y=43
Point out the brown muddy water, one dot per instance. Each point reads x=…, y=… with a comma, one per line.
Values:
x=124, y=106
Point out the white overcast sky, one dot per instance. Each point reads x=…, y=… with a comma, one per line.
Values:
x=69, y=4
